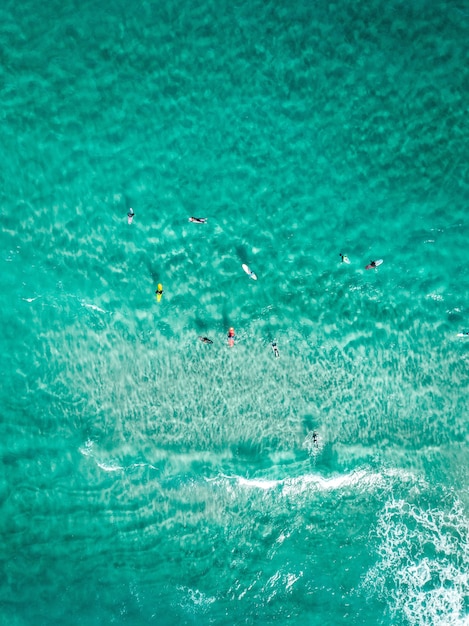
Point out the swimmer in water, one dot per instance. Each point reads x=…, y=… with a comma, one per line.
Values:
x=130, y=216
x=231, y=336
x=275, y=349
x=205, y=340
x=198, y=220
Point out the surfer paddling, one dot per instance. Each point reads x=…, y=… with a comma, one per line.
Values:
x=344, y=258
x=374, y=264
x=159, y=292
x=198, y=220
x=205, y=340
x=130, y=216
x=275, y=349
x=248, y=271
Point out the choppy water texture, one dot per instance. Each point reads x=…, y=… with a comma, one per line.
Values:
x=148, y=478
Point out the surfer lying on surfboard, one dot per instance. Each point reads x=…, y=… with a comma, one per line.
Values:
x=205, y=340
x=374, y=264
x=198, y=220
x=130, y=216
x=248, y=271
x=344, y=258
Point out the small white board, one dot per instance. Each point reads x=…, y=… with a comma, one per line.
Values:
x=462, y=335
x=248, y=272
x=345, y=259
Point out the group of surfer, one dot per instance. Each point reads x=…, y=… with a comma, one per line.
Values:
x=159, y=290
x=231, y=336
x=231, y=332
x=370, y=266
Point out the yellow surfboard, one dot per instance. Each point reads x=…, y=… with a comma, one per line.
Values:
x=159, y=292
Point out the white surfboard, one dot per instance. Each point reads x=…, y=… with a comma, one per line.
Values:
x=462, y=335
x=345, y=259
x=249, y=272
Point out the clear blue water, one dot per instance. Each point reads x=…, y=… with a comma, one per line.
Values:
x=148, y=478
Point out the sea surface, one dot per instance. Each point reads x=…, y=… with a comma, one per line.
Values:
x=149, y=478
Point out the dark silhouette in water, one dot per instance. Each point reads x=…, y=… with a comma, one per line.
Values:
x=205, y=340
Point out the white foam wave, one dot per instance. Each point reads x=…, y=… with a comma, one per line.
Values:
x=258, y=484
x=109, y=466
x=435, y=296
x=293, y=486
x=87, y=449
x=423, y=572
x=94, y=307
x=31, y=299
x=194, y=601
x=279, y=581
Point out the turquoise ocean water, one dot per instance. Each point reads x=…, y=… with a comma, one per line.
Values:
x=147, y=478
